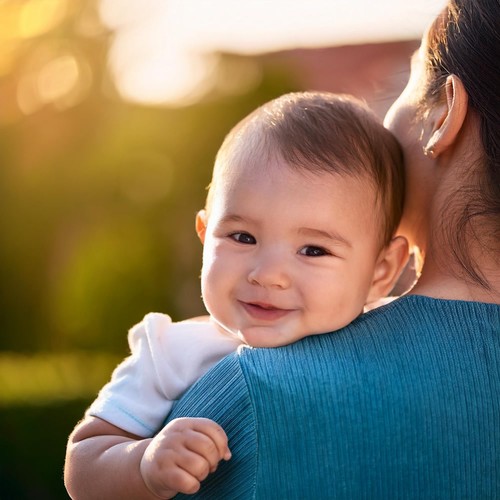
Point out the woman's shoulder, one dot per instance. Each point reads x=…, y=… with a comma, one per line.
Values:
x=398, y=329
x=419, y=311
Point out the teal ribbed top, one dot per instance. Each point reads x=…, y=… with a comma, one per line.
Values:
x=402, y=403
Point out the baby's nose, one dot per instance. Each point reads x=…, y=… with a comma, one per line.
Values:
x=270, y=271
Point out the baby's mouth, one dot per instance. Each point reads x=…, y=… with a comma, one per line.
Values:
x=264, y=311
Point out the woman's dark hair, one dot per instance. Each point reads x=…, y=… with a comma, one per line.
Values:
x=465, y=41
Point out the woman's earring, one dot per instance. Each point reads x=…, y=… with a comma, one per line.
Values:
x=429, y=151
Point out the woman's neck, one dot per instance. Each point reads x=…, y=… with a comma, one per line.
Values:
x=462, y=251
x=446, y=282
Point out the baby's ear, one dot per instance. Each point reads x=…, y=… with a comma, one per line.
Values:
x=201, y=225
x=390, y=265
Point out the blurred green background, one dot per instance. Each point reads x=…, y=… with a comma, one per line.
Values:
x=97, y=203
x=97, y=200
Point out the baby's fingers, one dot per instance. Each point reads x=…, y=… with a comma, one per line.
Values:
x=195, y=465
x=205, y=437
x=187, y=475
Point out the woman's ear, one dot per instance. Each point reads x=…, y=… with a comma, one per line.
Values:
x=450, y=121
x=201, y=225
x=390, y=265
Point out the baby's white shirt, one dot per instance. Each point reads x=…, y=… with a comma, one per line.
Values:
x=166, y=359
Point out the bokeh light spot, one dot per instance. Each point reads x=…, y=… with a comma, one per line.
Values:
x=39, y=16
x=58, y=78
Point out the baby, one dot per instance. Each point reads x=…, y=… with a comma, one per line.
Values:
x=298, y=237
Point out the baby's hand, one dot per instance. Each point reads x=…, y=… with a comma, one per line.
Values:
x=183, y=454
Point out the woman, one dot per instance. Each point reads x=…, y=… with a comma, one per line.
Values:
x=450, y=112
x=404, y=402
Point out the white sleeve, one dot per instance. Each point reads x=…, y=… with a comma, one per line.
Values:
x=166, y=359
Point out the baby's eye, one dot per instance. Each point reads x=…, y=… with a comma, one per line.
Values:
x=245, y=238
x=311, y=251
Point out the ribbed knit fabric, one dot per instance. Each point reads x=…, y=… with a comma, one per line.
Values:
x=402, y=403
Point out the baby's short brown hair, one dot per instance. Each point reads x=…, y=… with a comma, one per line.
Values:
x=322, y=132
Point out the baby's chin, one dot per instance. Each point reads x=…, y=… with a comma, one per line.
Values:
x=265, y=336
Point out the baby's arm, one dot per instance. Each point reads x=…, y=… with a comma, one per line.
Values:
x=103, y=461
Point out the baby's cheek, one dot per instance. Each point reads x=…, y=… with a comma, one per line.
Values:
x=342, y=311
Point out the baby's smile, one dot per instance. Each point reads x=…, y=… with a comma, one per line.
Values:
x=264, y=311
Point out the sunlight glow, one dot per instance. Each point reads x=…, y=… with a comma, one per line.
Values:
x=39, y=16
x=163, y=49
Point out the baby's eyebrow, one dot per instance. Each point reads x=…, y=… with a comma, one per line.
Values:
x=335, y=237
x=232, y=218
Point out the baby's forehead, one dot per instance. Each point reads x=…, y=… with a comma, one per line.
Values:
x=249, y=149
x=249, y=167
x=283, y=199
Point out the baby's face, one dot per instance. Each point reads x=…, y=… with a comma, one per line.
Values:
x=288, y=254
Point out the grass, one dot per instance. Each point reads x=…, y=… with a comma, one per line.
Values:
x=47, y=378
x=42, y=397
